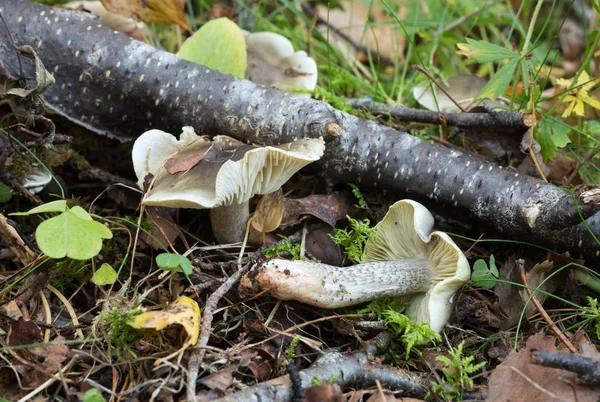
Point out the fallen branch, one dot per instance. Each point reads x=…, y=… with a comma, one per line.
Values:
x=497, y=120
x=354, y=370
x=120, y=87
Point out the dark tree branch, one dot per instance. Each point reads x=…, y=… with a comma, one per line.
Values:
x=354, y=370
x=588, y=369
x=499, y=120
x=119, y=87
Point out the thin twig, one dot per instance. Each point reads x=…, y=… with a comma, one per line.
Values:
x=521, y=265
x=197, y=355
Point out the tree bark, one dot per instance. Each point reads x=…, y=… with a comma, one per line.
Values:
x=120, y=87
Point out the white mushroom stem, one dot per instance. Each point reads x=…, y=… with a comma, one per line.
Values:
x=331, y=287
x=229, y=222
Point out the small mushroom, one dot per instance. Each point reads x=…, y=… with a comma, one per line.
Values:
x=273, y=62
x=404, y=259
x=221, y=175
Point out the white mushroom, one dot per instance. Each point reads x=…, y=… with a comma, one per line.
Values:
x=404, y=259
x=273, y=62
x=221, y=175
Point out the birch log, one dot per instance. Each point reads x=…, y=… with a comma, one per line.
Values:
x=120, y=87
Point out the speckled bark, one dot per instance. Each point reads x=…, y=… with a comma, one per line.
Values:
x=120, y=87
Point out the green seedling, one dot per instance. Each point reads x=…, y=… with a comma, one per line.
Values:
x=457, y=372
x=359, y=197
x=218, y=45
x=483, y=276
x=121, y=335
x=355, y=239
x=174, y=262
x=284, y=246
x=317, y=381
x=72, y=234
x=591, y=313
x=105, y=275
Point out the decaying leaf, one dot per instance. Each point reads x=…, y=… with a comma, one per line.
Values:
x=269, y=212
x=183, y=311
x=329, y=208
x=112, y=20
x=530, y=382
x=187, y=157
x=160, y=11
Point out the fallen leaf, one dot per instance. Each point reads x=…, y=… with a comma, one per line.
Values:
x=188, y=157
x=219, y=381
x=23, y=332
x=163, y=230
x=517, y=379
x=324, y=393
x=149, y=11
x=183, y=311
x=329, y=208
x=218, y=45
x=269, y=212
x=109, y=19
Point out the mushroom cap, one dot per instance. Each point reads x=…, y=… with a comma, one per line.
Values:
x=273, y=62
x=405, y=232
x=228, y=171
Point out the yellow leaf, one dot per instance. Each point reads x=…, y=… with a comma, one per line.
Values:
x=183, y=311
x=269, y=212
x=465, y=50
x=592, y=102
x=160, y=11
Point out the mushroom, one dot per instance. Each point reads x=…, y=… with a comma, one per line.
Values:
x=404, y=259
x=221, y=175
x=273, y=62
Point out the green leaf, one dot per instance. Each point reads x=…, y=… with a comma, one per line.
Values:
x=485, y=52
x=70, y=235
x=93, y=395
x=218, y=45
x=105, y=275
x=483, y=276
x=500, y=81
x=551, y=135
x=168, y=261
x=5, y=193
x=174, y=262
x=54, y=206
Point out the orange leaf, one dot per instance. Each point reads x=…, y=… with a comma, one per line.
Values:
x=160, y=11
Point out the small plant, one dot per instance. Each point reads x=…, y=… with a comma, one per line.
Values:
x=121, y=335
x=484, y=277
x=355, y=239
x=290, y=351
x=410, y=334
x=283, y=246
x=317, y=381
x=457, y=370
x=591, y=313
x=359, y=197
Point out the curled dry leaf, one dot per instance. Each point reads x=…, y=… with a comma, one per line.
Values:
x=269, y=212
x=160, y=11
x=183, y=311
x=112, y=20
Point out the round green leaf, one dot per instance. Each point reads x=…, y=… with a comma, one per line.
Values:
x=93, y=395
x=105, y=275
x=5, y=194
x=54, y=206
x=168, y=261
x=68, y=235
x=186, y=265
x=218, y=45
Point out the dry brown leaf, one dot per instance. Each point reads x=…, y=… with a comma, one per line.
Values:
x=149, y=11
x=269, y=212
x=516, y=379
x=187, y=157
x=329, y=208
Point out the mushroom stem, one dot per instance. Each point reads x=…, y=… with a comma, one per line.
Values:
x=229, y=222
x=331, y=287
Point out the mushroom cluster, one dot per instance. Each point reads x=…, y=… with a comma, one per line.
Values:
x=404, y=259
x=220, y=175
